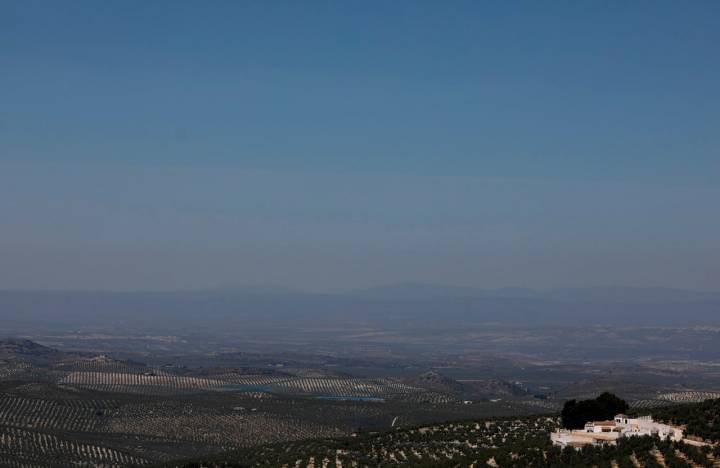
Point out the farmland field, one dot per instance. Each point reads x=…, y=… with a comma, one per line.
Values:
x=93, y=409
x=65, y=408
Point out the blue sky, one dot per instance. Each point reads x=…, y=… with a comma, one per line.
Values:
x=332, y=145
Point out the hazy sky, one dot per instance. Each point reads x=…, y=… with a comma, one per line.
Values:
x=334, y=145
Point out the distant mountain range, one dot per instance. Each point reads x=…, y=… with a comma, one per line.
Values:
x=403, y=305
x=424, y=290
x=609, y=293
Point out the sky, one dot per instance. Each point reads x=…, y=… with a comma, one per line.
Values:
x=328, y=146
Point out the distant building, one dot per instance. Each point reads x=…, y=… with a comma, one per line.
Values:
x=608, y=432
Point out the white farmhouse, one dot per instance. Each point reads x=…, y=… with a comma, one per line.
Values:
x=608, y=432
x=644, y=425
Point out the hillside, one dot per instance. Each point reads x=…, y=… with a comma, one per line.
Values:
x=17, y=349
x=61, y=409
x=520, y=442
x=701, y=419
x=473, y=389
x=436, y=382
x=499, y=442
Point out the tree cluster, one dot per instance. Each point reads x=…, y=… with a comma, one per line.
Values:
x=576, y=413
x=700, y=419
